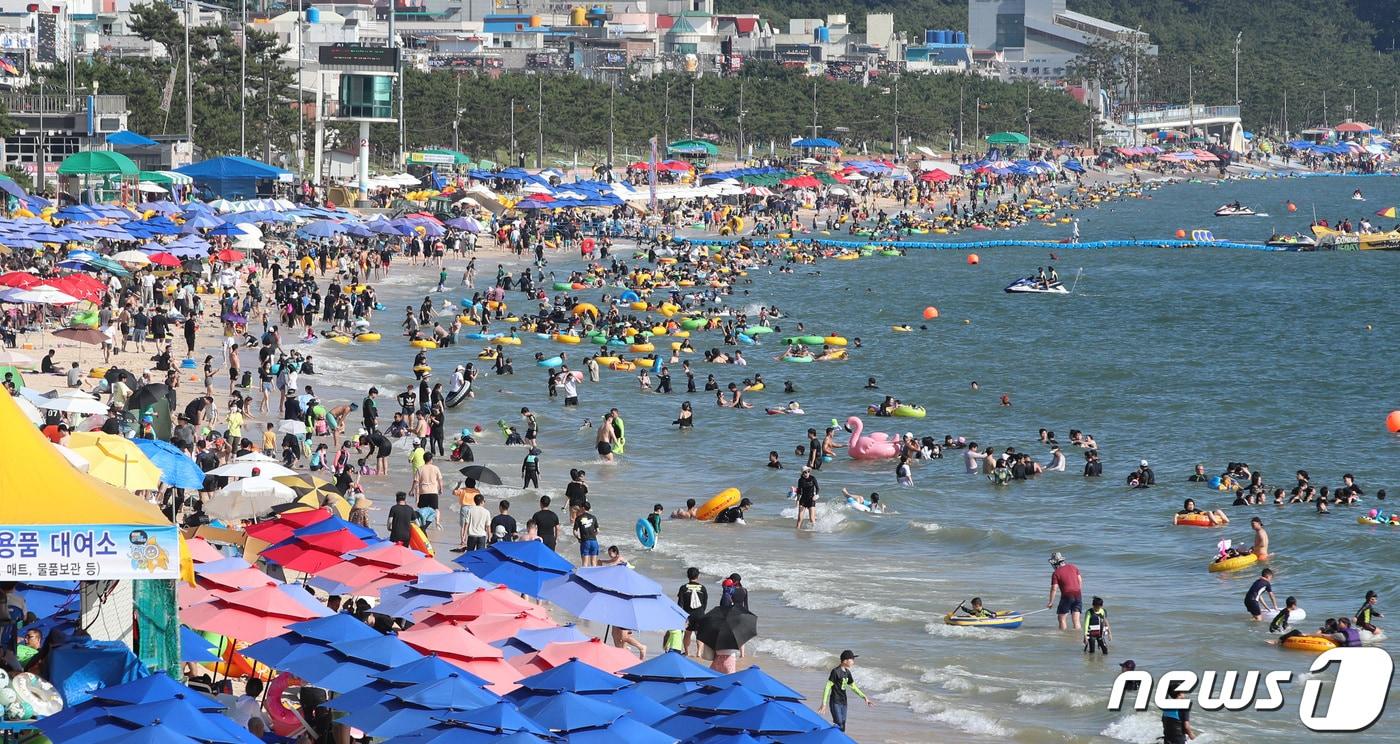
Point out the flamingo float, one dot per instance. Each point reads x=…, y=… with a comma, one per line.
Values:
x=874, y=446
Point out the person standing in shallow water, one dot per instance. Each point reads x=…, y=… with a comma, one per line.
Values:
x=837, y=683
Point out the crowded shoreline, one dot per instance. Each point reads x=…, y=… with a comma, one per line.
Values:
x=419, y=281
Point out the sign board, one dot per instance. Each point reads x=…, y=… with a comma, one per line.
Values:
x=359, y=56
x=88, y=552
x=430, y=158
x=10, y=41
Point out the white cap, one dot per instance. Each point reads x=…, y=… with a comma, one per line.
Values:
x=1143, y=463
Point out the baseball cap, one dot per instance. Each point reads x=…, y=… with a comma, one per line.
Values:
x=1128, y=665
x=1142, y=463
x=848, y=654
x=1056, y=558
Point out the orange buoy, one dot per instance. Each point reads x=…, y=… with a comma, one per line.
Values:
x=1392, y=422
x=1292, y=207
x=930, y=312
x=1181, y=233
x=972, y=259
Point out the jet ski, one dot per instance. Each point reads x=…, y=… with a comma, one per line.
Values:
x=1033, y=285
x=1234, y=210
x=1295, y=242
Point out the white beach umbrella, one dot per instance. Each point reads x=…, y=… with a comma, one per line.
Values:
x=240, y=469
x=248, y=498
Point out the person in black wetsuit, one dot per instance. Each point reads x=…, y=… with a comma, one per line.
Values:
x=734, y=514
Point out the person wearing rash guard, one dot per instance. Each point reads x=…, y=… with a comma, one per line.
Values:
x=1368, y=612
x=1254, y=598
x=837, y=683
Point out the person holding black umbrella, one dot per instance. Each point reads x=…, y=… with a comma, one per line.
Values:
x=834, y=694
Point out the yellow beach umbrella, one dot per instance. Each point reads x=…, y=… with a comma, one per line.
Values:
x=116, y=460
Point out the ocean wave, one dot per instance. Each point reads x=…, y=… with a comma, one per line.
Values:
x=926, y=526
x=939, y=628
x=972, y=722
x=828, y=517
x=792, y=653
x=1068, y=698
x=1138, y=728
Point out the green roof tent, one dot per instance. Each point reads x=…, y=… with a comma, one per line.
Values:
x=98, y=163
x=165, y=178
x=438, y=156
x=693, y=148
x=1008, y=138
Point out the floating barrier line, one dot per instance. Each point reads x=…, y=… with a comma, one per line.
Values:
x=985, y=244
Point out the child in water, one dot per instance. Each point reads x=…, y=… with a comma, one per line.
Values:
x=1096, y=629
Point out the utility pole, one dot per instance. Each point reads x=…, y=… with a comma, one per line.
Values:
x=398, y=78
x=539, y=125
x=189, y=82
x=666, y=115
x=514, y=149
x=41, y=142
x=1028, y=113
x=301, y=102
x=1190, y=103
x=612, y=93
x=1238, y=36
x=243, y=81
x=1285, y=112
x=457, y=116
x=1137, y=65
x=896, y=118
x=962, y=91
x=977, y=121
x=814, y=108
x=1325, y=118
x=691, y=130
x=739, y=151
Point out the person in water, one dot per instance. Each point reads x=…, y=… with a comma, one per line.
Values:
x=1254, y=598
x=1368, y=613
x=1261, y=539
x=1096, y=629
x=1199, y=476
x=976, y=609
x=686, y=512
x=1216, y=516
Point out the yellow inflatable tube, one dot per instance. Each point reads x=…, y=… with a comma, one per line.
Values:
x=725, y=499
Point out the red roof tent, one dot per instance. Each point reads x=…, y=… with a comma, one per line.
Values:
x=741, y=24
x=665, y=22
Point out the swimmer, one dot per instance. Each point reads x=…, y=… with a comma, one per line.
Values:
x=870, y=384
x=872, y=503
x=1261, y=539
x=686, y=512
x=773, y=461
x=1217, y=517
x=789, y=388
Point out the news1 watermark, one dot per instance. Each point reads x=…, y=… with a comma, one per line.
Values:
x=1357, y=699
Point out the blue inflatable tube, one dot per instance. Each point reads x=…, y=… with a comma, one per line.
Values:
x=629, y=296
x=745, y=338
x=551, y=362
x=645, y=534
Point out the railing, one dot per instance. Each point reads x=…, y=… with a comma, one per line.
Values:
x=1181, y=113
x=61, y=104
x=1099, y=31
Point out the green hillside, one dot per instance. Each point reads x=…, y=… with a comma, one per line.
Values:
x=1306, y=46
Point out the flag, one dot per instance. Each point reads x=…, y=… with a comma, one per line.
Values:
x=169, y=91
x=651, y=178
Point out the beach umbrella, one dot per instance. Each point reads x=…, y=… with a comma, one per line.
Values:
x=229, y=255
x=321, y=631
x=418, y=706
x=571, y=676
x=18, y=279
x=428, y=590
x=200, y=551
x=37, y=295
x=346, y=665
x=225, y=230
x=531, y=640
x=614, y=595
x=253, y=615
x=568, y=711
x=496, y=601
x=242, y=468
x=116, y=460
x=321, y=229
x=502, y=717
x=627, y=728
x=672, y=666
x=522, y=566
x=176, y=468
x=312, y=553
x=381, y=683
x=13, y=358
x=593, y=652
x=461, y=648
x=496, y=627
x=200, y=222
x=195, y=647
x=758, y=681
x=68, y=401
x=234, y=579
x=727, y=627
x=166, y=259
x=767, y=718
x=131, y=258
x=90, y=336
x=828, y=735
x=247, y=498
x=481, y=474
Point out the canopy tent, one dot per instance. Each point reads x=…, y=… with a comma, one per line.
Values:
x=809, y=143
x=126, y=138
x=1008, y=138
x=97, y=163
x=232, y=176
x=693, y=148
x=68, y=516
x=164, y=178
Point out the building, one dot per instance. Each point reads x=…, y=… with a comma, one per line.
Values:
x=1039, y=39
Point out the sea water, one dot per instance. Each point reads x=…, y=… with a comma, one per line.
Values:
x=1176, y=356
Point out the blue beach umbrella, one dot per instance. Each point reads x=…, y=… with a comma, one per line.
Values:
x=725, y=737
x=535, y=639
x=317, y=632
x=614, y=595
x=638, y=704
x=418, y=706
x=200, y=222
x=429, y=590
x=176, y=468
x=571, y=676
x=225, y=230
x=672, y=666
x=727, y=700
x=771, y=717
x=195, y=647
x=425, y=669
x=757, y=681
x=626, y=729
x=321, y=229
x=500, y=718
x=828, y=735
x=346, y=665
x=568, y=711
x=522, y=566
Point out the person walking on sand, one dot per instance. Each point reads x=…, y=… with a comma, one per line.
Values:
x=837, y=683
x=1067, y=580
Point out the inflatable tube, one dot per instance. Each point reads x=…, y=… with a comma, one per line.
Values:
x=98, y=373
x=901, y=328
x=587, y=308
x=646, y=534
x=645, y=348
x=565, y=338
x=725, y=499
x=1234, y=564
x=858, y=506
x=422, y=369
x=419, y=541
x=908, y=411
x=692, y=324
x=423, y=343
x=1191, y=520
x=745, y=338
x=758, y=330
x=623, y=366
x=456, y=397
x=36, y=694
x=754, y=388
x=834, y=341
x=488, y=354
x=551, y=362
x=832, y=356
x=562, y=286
x=506, y=340
x=285, y=721
x=607, y=361
x=638, y=305
x=466, y=320
x=798, y=359
x=494, y=305
x=1314, y=644
x=367, y=337
x=1005, y=620
x=629, y=296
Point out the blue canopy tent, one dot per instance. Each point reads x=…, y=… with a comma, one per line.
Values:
x=126, y=138
x=233, y=177
x=815, y=142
